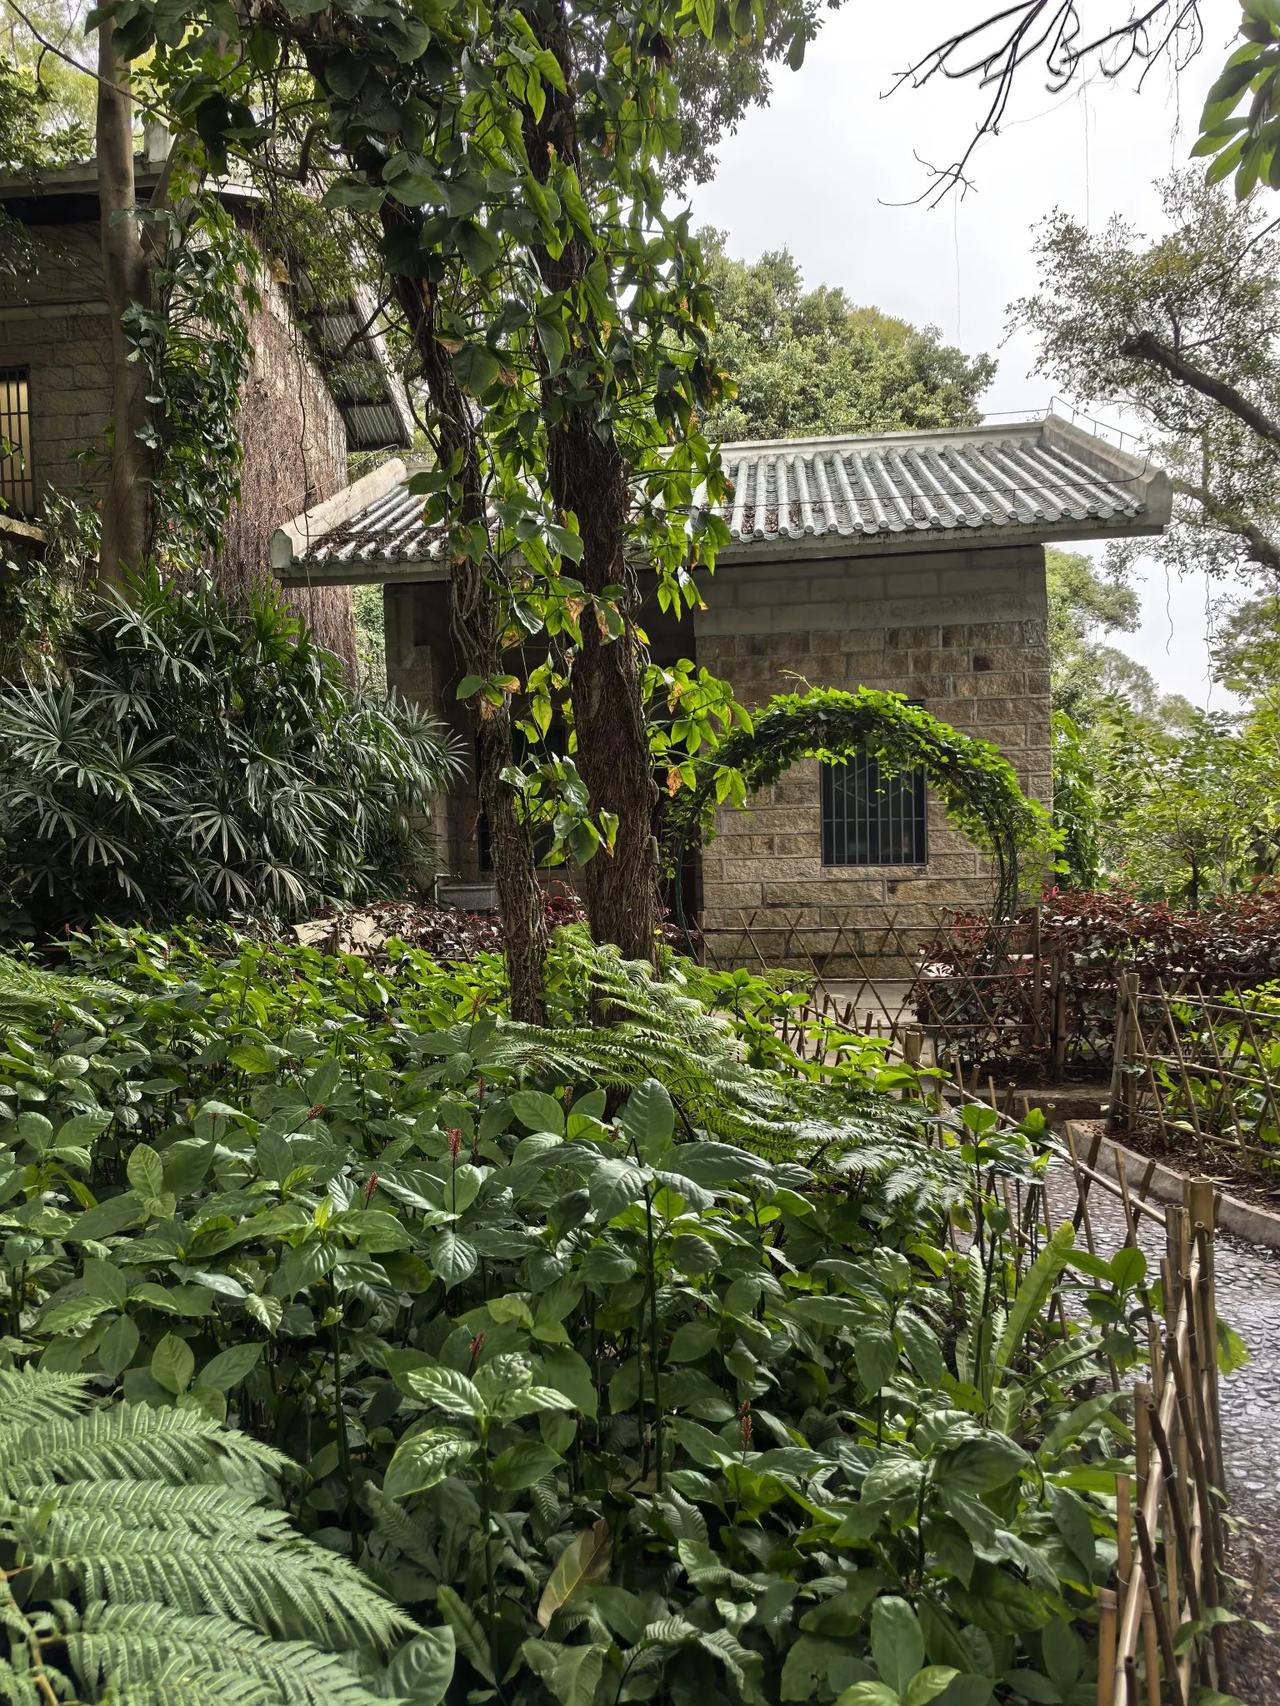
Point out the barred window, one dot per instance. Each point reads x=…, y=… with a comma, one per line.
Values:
x=17, y=477
x=869, y=818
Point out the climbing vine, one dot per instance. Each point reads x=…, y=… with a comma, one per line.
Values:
x=192, y=338
x=976, y=784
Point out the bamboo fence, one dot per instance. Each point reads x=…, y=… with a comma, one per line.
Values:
x=1160, y=1635
x=1201, y=1073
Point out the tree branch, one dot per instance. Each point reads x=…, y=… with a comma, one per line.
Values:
x=1146, y=346
x=1258, y=547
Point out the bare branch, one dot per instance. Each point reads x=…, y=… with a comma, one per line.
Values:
x=994, y=51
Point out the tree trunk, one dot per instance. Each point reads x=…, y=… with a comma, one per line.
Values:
x=619, y=890
x=476, y=623
x=126, y=503
x=588, y=476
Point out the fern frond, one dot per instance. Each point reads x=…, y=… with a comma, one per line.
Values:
x=133, y=1442
x=27, y=1397
x=130, y=1644
x=188, y=1587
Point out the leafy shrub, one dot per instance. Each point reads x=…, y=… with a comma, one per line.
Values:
x=1095, y=936
x=194, y=757
x=142, y=1564
x=635, y=1412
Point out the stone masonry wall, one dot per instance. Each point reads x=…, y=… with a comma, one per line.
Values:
x=421, y=668
x=53, y=321
x=965, y=633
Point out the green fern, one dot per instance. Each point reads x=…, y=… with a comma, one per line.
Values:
x=28, y=992
x=659, y=1029
x=142, y=1565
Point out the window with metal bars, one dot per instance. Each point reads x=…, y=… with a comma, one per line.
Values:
x=17, y=476
x=869, y=818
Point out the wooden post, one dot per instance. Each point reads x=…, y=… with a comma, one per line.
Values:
x=1106, y=1647
x=1118, y=1047
x=1059, y=1015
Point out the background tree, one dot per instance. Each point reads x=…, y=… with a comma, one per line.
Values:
x=1086, y=674
x=810, y=362
x=1207, y=293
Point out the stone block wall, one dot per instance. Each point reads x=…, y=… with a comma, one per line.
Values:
x=53, y=322
x=421, y=668
x=965, y=633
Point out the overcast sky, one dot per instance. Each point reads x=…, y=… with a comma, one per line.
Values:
x=816, y=171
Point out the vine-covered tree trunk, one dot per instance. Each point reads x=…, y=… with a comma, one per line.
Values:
x=126, y=504
x=476, y=622
x=588, y=476
x=619, y=890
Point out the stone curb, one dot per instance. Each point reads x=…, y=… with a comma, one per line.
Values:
x=1242, y=1219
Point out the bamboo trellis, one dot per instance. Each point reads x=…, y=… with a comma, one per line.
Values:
x=1159, y=1634
x=1202, y=1072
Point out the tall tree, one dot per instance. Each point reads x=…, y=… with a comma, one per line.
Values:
x=125, y=507
x=508, y=169
x=1183, y=331
x=1087, y=673
x=810, y=361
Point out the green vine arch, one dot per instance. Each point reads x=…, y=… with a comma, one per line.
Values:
x=976, y=784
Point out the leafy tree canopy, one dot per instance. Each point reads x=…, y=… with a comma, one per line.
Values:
x=809, y=362
x=1086, y=604
x=1123, y=319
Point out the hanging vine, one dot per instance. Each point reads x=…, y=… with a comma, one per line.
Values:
x=976, y=784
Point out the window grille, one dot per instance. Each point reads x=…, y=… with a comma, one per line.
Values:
x=873, y=819
x=17, y=477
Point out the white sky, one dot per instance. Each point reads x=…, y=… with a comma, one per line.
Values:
x=814, y=171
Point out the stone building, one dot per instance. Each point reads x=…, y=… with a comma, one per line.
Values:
x=913, y=562
x=320, y=386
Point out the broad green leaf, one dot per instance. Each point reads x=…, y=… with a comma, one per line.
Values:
x=561, y=1367
x=118, y=1346
x=538, y=1112
x=692, y=1340
x=453, y=1259
x=145, y=1170
x=423, y=1460
x=420, y=1673
x=897, y=1643
x=522, y=1464
x=875, y=1352
x=173, y=1363
x=928, y=1684
x=446, y=1389
x=104, y=1279
x=230, y=1367
x=647, y=1120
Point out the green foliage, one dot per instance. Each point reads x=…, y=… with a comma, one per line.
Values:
x=141, y=1559
x=810, y=362
x=619, y=1409
x=1204, y=287
x=975, y=783
x=1077, y=805
x=1243, y=145
x=192, y=338
x=194, y=756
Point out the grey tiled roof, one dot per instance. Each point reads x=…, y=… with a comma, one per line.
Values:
x=917, y=484
x=1031, y=480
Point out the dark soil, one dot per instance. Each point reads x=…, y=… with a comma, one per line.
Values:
x=1230, y=1170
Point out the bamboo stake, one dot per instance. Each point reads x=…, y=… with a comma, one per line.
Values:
x=1106, y=1647
x=1161, y=1621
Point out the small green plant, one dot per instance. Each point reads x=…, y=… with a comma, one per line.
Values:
x=630, y=1371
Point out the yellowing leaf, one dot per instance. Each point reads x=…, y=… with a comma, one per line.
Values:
x=583, y=1563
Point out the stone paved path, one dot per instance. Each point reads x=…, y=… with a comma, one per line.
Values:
x=1248, y=1293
